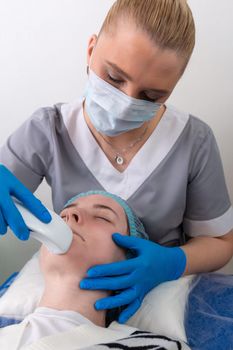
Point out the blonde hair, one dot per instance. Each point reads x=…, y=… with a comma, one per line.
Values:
x=169, y=23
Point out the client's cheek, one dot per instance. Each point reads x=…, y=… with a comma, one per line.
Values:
x=120, y=254
x=114, y=252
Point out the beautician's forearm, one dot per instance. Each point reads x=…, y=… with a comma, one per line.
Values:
x=205, y=254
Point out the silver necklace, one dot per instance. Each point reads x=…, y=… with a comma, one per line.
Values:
x=119, y=159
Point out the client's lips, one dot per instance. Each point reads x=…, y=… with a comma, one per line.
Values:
x=76, y=233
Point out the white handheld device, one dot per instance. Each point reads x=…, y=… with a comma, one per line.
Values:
x=56, y=235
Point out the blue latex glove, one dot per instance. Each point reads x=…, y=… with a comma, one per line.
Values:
x=135, y=277
x=9, y=214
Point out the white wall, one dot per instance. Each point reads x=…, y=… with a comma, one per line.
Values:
x=43, y=61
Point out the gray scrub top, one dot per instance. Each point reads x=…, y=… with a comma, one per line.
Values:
x=175, y=183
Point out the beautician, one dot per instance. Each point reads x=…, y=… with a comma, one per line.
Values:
x=122, y=137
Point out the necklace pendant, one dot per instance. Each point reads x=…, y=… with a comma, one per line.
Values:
x=119, y=160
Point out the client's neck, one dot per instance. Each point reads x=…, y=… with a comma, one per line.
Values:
x=65, y=294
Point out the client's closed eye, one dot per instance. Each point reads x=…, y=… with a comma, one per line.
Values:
x=105, y=219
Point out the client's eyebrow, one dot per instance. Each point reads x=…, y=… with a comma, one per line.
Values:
x=101, y=206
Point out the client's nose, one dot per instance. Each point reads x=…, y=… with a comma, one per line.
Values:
x=73, y=217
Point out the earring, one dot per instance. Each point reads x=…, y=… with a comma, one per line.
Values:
x=87, y=69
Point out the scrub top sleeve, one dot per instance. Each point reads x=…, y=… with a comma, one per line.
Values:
x=208, y=207
x=28, y=151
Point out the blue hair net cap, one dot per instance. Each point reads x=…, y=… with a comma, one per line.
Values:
x=136, y=228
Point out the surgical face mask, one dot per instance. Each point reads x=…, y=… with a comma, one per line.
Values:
x=111, y=111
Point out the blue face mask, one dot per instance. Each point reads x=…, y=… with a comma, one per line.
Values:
x=111, y=111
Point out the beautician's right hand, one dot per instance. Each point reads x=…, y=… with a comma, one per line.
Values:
x=9, y=214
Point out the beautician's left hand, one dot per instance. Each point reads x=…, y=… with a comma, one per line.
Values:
x=135, y=277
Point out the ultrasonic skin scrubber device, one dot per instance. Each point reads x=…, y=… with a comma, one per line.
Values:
x=56, y=235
